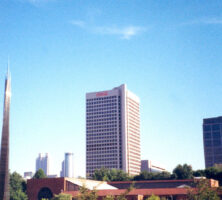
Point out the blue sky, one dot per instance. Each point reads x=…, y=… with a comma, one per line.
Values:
x=167, y=52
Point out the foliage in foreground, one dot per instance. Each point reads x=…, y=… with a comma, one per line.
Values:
x=153, y=197
x=17, y=187
x=62, y=197
x=203, y=192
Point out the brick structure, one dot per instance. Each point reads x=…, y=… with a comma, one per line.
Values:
x=54, y=185
x=176, y=189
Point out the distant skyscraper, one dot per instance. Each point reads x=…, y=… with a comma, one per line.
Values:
x=67, y=166
x=4, y=154
x=62, y=172
x=28, y=175
x=113, y=130
x=42, y=162
x=212, y=137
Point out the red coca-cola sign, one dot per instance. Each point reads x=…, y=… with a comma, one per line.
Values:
x=100, y=94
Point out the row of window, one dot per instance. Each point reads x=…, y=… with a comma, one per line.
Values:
x=101, y=113
x=100, y=123
x=102, y=120
x=101, y=156
x=101, y=102
x=101, y=130
x=100, y=149
x=213, y=134
x=93, y=142
x=101, y=109
x=109, y=105
x=99, y=127
x=102, y=163
x=102, y=159
x=101, y=116
x=208, y=143
x=101, y=152
x=99, y=98
x=213, y=127
x=101, y=145
x=104, y=135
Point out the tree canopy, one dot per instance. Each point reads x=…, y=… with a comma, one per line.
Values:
x=183, y=171
x=104, y=174
x=17, y=187
x=39, y=174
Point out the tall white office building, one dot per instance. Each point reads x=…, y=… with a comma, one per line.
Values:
x=42, y=162
x=113, y=130
x=67, y=166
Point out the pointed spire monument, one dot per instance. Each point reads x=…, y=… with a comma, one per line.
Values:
x=4, y=152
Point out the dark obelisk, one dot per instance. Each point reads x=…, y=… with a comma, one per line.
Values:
x=4, y=154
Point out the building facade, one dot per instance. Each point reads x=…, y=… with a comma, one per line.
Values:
x=147, y=165
x=113, y=130
x=42, y=162
x=212, y=137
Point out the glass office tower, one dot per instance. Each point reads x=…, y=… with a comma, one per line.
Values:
x=212, y=137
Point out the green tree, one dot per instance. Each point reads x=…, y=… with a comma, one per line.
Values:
x=39, y=174
x=143, y=176
x=199, y=173
x=17, y=187
x=104, y=174
x=86, y=194
x=109, y=197
x=183, y=171
x=153, y=197
x=162, y=176
x=203, y=191
x=62, y=196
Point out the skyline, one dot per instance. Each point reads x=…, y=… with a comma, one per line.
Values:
x=167, y=53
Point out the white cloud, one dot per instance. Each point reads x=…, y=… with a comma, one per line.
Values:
x=126, y=32
x=210, y=21
x=78, y=23
x=35, y=2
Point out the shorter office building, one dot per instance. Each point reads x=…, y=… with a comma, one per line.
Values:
x=169, y=189
x=148, y=166
x=28, y=175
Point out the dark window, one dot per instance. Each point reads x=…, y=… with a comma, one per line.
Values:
x=207, y=127
x=216, y=142
x=208, y=143
x=207, y=135
x=216, y=135
x=216, y=127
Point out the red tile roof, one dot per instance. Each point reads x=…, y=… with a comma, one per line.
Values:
x=159, y=191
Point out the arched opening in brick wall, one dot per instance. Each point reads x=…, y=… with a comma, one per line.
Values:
x=45, y=193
